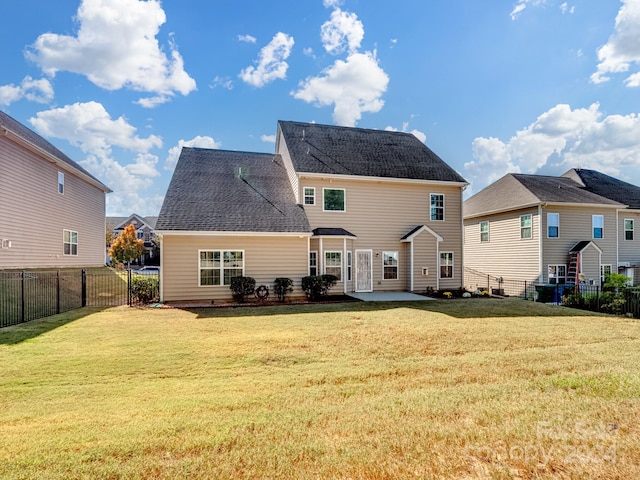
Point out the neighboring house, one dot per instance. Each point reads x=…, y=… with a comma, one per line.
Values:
x=377, y=209
x=145, y=227
x=52, y=211
x=574, y=228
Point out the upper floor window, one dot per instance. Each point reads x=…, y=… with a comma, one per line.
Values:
x=553, y=225
x=390, y=265
x=446, y=264
x=628, y=229
x=526, y=229
x=334, y=199
x=309, y=195
x=484, y=231
x=70, y=242
x=437, y=206
x=218, y=267
x=597, y=222
x=60, y=182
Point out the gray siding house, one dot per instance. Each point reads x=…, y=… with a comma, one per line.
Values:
x=377, y=209
x=52, y=211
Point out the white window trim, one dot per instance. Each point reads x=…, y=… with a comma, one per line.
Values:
x=602, y=265
x=443, y=207
x=453, y=265
x=324, y=266
x=344, y=196
x=304, y=196
x=530, y=227
x=61, y=183
x=549, y=225
x=488, y=232
x=593, y=227
x=549, y=277
x=221, y=267
x=70, y=243
x=397, y=266
x=315, y=252
x=633, y=229
x=349, y=266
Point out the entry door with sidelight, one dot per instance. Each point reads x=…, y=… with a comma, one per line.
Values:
x=364, y=271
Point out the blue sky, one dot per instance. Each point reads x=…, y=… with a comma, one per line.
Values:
x=530, y=86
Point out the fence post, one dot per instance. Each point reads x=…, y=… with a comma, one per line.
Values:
x=22, y=296
x=57, y=291
x=84, y=287
x=129, y=287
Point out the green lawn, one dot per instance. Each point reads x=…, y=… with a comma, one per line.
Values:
x=447, y=389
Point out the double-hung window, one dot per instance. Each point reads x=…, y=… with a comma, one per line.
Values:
x=628, y=229
x=437, y=206
x=333, y=264
x=484, y=231
x=61, y=182
x=218, y=267
x=70, y=242
x=309, y=195
x=557, y=273
x=553, y=225
x=333, y=199
x=446, y=264
x=390, y=265
x=526, y=230
x=597, y=222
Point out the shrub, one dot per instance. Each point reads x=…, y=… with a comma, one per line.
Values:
x=282, y=286
x=242, y=287
x=317, y=286
x=144, y=289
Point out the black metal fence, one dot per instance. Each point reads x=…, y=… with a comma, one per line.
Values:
x=624, y=301
x=29, y=295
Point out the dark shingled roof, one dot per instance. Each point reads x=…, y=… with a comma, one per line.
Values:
x=11, y=124
x=332, y=232
x=316, y=148
x=208, y=193
x=606, y=186
x=559, y=190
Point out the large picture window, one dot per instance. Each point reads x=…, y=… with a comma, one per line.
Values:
x=597, y=222
x=333, y=264
x=437, y=206
x=218, y=267
x=446, y=265
x=553, y=225
x=526, y=230
x=628, y=229
x=70, y=242
x=333, y=199
x=390, y=265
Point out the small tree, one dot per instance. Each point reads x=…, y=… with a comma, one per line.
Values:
x=317, y=286
x=282, y=286
x=242, y=287
x=127, y=246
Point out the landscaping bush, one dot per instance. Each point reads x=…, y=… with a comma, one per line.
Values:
x=282, y=286
x=317, y=286
x=144, y=289
x=242, y=287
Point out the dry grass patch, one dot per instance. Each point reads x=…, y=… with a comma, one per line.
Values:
x=447, y=389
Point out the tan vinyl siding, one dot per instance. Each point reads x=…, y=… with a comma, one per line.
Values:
x=590, y=265
x=380, y=213
x=628, y=250
x=281, y=149
x=505, y=254
x=425, y=255
x=576, y=226
x=33, y=214
x=265, y=259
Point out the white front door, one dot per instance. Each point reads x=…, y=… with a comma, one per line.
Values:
x=364, y=271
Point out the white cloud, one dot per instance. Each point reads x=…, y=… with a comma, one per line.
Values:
x=522, y=4
x=565, y=8
x=342, y=32
x=224, y=82
x=268, y=138
x=116, y=47
x=332, y=3
x=623, y=48
x=40, y=91
x=196, y=142
x=271, y=63
x=308, y=51
x=560, y=139
x=247, y=38
x=353, y=86
x=405, y=128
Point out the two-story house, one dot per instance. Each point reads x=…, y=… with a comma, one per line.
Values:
x=52, y=211
x=575, y=228
x=377, y=209
x=144, y=226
